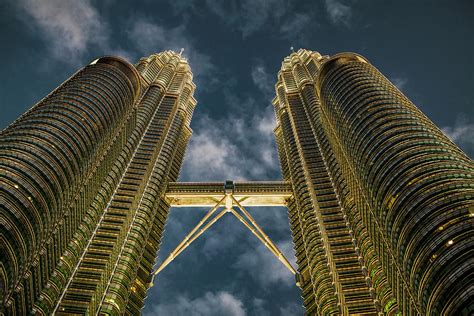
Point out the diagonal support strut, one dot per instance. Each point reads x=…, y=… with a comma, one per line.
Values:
x=261, y=235
x=228, y=201
x=192, y=236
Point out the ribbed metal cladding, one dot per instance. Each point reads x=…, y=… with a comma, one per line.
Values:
x=382, y=214
x=318, y=287
x=48, y=158
x=416, y=187
x=83, y=177
x=331, y=275
x=106, y=269
x=156, y=162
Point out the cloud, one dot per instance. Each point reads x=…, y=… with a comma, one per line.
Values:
x=211, y=154
x=182, y=6
x=339, y=13
x=399, y=82
x=265, y=83
x=255, y=13
x=149, y=38
x=210, y=304
x=273, y=221
x=239, y=146
x=70, y=27
x=295, y=26
x=259, y=308
x=265, y=268
x=249, y=16
x=263, y=80
x=291, y=309
x=462, y=133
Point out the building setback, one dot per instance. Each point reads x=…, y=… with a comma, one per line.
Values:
x=382, y=211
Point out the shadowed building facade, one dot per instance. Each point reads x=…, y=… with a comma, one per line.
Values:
x=382, y=212
x=82, y=176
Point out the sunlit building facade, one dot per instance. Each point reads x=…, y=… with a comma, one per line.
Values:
x=382, y=211
x=82, y=175
x=380, y=201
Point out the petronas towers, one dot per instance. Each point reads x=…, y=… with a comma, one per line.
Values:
x=83, y=175
x=380, y=201
x=382, y=212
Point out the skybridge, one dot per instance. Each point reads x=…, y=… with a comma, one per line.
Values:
x=228, y=197
x=207, y=194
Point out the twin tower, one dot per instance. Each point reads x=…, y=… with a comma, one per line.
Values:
x=380, y=202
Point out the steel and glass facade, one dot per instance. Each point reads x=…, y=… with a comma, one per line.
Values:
x=383, y=204
x=380, y=202
x=82, y=179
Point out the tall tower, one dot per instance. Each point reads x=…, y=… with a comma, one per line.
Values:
x=82, y=179
x=380, y=202
x=383, y=204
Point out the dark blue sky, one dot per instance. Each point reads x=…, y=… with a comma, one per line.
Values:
x=235, y=49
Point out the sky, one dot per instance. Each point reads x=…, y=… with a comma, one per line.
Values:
x=235, y=49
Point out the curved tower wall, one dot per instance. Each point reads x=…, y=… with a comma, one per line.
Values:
x=49, y=157
x=417, y=185
x=332, y=277
x=382, y=215
x=82, y=178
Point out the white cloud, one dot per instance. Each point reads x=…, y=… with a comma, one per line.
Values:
x=265, y=268
x=210, y=304
x=399, y=82
x=240, y=146
x=267, y=123
x=150, y=38
x=255, y=13
x=70, y=27
x=462, y=133
x=259, y=308
x=249, y=16
x=273, y=220
x=181, y=6
x=263, y=80
x=291, y=309
x=297, y=26
x=339, y=13
x=212, y=153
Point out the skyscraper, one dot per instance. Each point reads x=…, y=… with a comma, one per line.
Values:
x=382, y=211
x=380, y=202
x=82, y=175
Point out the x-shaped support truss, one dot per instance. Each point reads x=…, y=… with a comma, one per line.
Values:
x=228, y=202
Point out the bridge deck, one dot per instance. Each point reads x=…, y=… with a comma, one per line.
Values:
x=250, y=193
